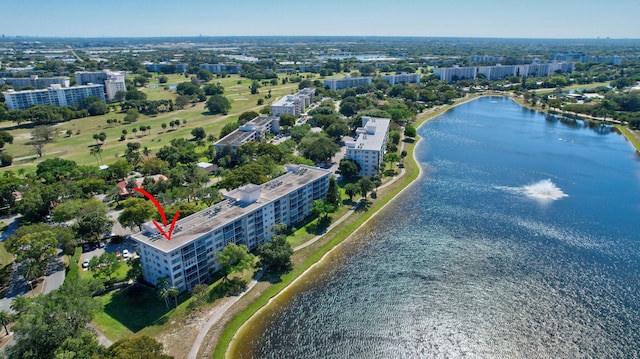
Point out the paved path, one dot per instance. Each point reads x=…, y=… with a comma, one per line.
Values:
x=215, y=317
x=193, y=353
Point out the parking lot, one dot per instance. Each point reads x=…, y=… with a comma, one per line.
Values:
x=117, y=248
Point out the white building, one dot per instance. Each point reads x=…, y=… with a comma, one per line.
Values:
x=293, y=104
x=35, y=81
x=452, y=74
x=245, y=217
x=54, y=95
x=220, y=68
x=403, y=78
x=113, y=81
x=253, y=130
x=368, y=148
x=347, y=82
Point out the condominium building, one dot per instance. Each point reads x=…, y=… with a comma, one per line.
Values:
x=54, y=95
x=499, y=72
x=403, y=78
x=219, y=68
x=368, y=148
x=246, y=216
x=485, y=58
x=253, y=130
x=113, y=81
x=347, y=82
x=452, y=74
x=35, y=81
x=293, y=104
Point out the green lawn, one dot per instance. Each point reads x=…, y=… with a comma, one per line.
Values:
x=128, y=311
x=77, y=146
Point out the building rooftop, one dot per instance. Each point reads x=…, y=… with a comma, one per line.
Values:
x=371, y=137
x=238, y=203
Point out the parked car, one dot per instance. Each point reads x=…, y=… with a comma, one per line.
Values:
x=125, y=253
x=85, y=263
x=101, y=244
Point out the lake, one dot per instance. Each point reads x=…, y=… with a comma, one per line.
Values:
x=520, y=239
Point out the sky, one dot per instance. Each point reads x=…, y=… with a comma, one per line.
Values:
x=442, y=18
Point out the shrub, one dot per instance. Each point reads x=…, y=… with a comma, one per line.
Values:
x=74, y=269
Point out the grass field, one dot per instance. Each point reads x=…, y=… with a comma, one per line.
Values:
x=77, y=146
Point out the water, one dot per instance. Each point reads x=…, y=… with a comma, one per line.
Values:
x=518, y=241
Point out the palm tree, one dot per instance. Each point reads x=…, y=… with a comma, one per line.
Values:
x=163, y=292
x=146, y=151
x=20, y=304
x=6, y=318
x=96, y=151
x=32, y=270
x=173, y=291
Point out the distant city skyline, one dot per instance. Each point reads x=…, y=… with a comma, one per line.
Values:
x=464, y=18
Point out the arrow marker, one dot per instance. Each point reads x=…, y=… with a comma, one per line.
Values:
x=166, y=234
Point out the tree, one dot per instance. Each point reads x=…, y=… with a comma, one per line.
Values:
x=246, y=117
x=173, y=292
x=33, y=246
x=93, y=225
x=105, y=265
x=287, y=120
x=365, y=185
x=163, y=79
x=5, y=319
x=50, y=319
x=96, y=151
x=198, y=133
x=333, y=193
x=5, y=137
x=234, y=258
x=349, y=168
x=131, y=116
x=218, y=104
x=85, y=346
x=213, y=89
x=136, y=347
x=318, y=147
x=351, y=189
x=43, y=133
x=5, y=159
x=321, y=208
x=228, y=128
x=136, y=212
x=204, y=75
x=276, y=254
x=410, y=131
x=254, y=87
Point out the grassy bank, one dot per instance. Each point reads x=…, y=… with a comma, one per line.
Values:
x=337, y=235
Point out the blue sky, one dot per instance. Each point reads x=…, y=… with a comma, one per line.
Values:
x=463, y=18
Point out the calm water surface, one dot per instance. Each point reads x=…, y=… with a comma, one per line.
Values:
x=520, y=240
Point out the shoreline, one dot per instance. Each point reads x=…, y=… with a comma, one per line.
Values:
x=421, y=119
x=223, y=349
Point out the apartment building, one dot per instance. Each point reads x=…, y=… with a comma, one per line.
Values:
x=35, y=81
x=113, y=81
x=54, y=95
x=219, y=68
x=246, y=217
x=347, y=82
x=403, y=78
x=368, y=148
x=452, y=74
x=293, y=104
x=253, y=130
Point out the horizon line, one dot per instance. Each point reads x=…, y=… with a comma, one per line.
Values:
x=4, y=37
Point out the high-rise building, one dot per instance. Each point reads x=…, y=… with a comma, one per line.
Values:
x=403, y=78
x=113, y=81
x=347, y=82
x=253, y=130
x=54, y=95
x=368, y=148
x=35, y=81
x=220, y=68
x=452, y=74
x=246, y=217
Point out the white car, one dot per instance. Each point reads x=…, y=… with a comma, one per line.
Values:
x=125, y=253
x=85, y=263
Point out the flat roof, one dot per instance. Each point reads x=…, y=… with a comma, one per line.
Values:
x=190, y=228
x=372, y=140
x=235, y=138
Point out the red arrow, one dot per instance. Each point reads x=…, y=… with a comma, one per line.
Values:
x=164, y=218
